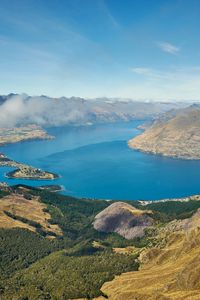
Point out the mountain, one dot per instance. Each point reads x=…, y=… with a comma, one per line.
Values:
x=124, y=219
x=176, y=134
x=169, y=270
x=47, y=112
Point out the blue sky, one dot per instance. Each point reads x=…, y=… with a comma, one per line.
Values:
x=140, y=49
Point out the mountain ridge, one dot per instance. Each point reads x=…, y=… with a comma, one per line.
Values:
x=75, y=110
x=175, y=135
x=169, y=270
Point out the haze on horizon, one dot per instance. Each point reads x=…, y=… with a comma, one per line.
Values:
x=135, y=49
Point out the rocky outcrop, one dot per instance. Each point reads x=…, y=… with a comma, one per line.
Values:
x=177, y=136
x=123, y=219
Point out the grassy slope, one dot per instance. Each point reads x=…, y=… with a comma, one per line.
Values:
x=168, y=271
x=15, y=209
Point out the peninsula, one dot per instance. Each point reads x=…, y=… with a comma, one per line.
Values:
x=22, y=133
x=23, y=171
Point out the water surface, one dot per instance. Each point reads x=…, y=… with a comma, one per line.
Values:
x=95, y=161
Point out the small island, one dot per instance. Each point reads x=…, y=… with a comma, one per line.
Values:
x=51, y=188
x=23, y=171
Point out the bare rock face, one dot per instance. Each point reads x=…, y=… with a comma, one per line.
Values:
x=178, y=136
x=123, y=219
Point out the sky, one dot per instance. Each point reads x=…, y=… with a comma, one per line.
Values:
x=139, y=49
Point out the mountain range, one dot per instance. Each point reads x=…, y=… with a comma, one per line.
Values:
x=19, y=110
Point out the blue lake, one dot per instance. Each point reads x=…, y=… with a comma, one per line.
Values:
x=95, y=162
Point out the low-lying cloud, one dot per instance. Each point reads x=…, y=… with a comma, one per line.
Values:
x=22, y=110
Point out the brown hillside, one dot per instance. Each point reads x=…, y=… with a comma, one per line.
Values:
x=178, y=136
x=170, y=271
x=32, y=210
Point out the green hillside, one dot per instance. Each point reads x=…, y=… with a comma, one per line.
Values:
x=38, y=264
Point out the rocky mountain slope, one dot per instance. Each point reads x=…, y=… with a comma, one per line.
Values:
x=123, y=219
x=169, y=270
x=174, y=136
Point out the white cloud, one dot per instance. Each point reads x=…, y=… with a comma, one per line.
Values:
x=141, y=71
x=41, y=110
x=149, y=72
x=174, y=83
x=168, y=47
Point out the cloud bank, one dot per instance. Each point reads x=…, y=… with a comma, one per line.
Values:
x=42, y=111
